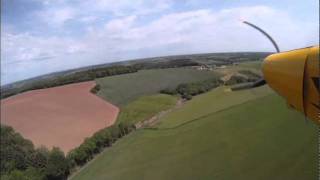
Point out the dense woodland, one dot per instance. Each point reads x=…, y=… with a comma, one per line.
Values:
x=20, y=160
x=244, y=77
x=187, y=90
x=79, y=76
x=166, y=64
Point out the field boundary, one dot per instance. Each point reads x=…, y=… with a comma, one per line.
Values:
x=200, y=117
x=77, y=171
x=152, y=121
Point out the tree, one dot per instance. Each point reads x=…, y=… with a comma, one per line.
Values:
x=77, y=157
x=58, y=165
x=40, y=157
x=187, y=96
x=16, y=175
x=34, y=174
x=15, y=151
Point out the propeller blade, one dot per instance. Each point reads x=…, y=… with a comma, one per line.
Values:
x=264, y=33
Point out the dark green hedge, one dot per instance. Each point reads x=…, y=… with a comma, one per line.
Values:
x=96, y=143
x=21, y=161
x=187, y=90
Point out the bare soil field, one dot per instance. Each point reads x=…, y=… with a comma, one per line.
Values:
x=61, y=116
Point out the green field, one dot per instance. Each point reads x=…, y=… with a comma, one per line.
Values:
x=243, y=135
x=254, y=66
x=122, y=89
x=219, y=99
x=145, y=107
x=251, y=65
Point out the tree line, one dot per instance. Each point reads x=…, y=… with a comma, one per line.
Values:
x=187, y=90
x=96, y=143
x=80, y=76
x=91, y=74
x=238, y=79
x=20, y=160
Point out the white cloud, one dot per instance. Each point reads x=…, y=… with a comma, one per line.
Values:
x=58, y=12
x=126, y=36
x=57, y=17
x=88, y=19
x=117, y=25
x=207, y=31
x=25, y=47
x=126, y=7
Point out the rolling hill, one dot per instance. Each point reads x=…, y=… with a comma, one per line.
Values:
x=249, y=134
x=122, y=89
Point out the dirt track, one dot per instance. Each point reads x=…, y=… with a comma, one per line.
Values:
x=61, y=116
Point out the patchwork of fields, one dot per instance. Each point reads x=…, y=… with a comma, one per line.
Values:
x=221, y=134
x=122, y=89
x=249, y=134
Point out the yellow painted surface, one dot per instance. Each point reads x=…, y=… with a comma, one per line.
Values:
x=292, y=75
x=311, y=91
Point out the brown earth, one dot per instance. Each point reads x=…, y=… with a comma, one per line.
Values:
x=61, y=116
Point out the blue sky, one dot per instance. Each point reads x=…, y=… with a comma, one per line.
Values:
x=43, y=36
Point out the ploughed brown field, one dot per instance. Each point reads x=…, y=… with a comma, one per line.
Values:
x=61, y=116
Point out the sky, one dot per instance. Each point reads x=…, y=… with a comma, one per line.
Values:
x=45, y=36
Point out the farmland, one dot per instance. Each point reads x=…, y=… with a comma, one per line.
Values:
x=249, y=134
x=122, y=89
x=145, y=107
x=62, y=116
x=219, y=134
x=129, y=66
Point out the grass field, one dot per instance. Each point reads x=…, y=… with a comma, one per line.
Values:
x=252, y=135
x=145, y=107
x=214, y=101
x=251, y=65
x=122, y=89
x=254, y=66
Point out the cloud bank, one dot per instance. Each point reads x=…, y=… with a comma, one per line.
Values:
x=65, y=35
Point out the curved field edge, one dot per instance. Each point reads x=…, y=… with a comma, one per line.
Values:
x=60, y=116
x=136, y=111
x=259, y=139
x=122, y=89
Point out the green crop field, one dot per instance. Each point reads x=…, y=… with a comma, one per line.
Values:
x=254, y=66
x=122, y=89
x=243, y=135
x=145, y=107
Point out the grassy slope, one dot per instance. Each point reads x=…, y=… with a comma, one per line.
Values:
x=145, y=107
x=260, y=139
x=214, y=101
x=122, y=89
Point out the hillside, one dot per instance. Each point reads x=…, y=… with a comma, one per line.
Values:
x=129, y=66
x=249, y=134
